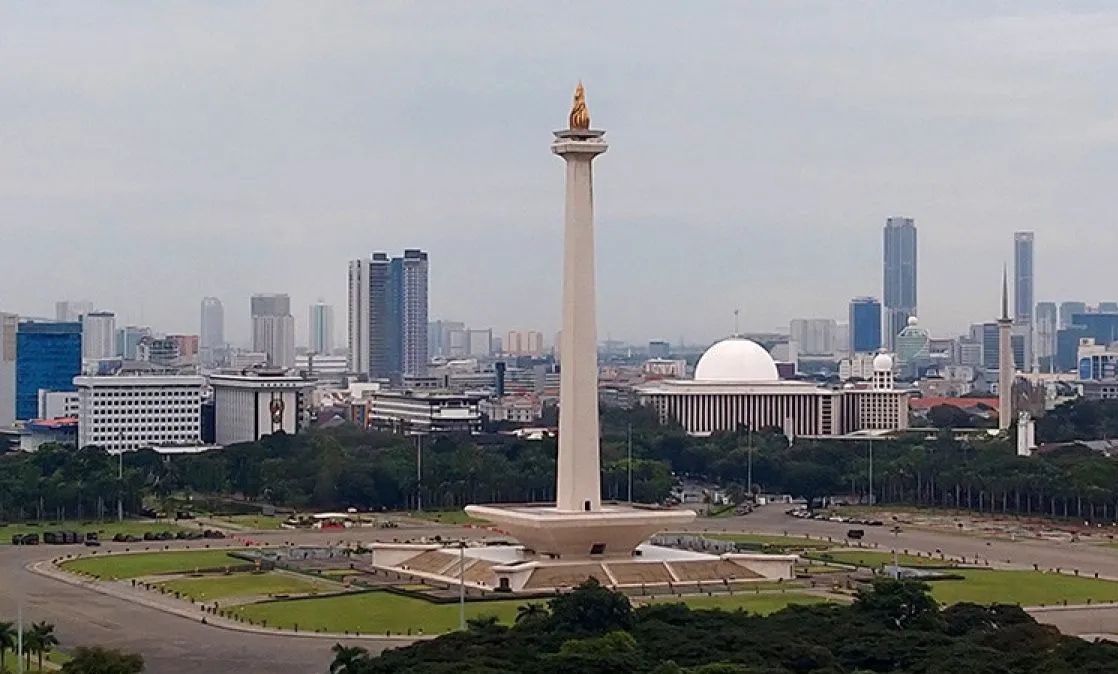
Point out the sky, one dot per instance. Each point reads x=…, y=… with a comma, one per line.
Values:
x=155, y=153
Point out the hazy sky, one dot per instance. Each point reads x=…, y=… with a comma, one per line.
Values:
x=153, y=153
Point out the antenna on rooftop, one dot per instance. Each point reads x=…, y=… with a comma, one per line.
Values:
x=737, y=328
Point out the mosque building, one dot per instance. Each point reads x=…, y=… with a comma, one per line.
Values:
x=736, y=384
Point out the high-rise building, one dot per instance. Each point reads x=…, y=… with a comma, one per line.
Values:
x=815, y=336
x=1069, y=309
x=211, y=335
x=99, y=335
x=1023, y=290
x=9, y=325
x=438, y=336
x=321, y=327
x=122, y=413
x=388, y=326
x=1108, y=307
x=1047, y=319
x=69, y=311
x=409, y=284
x=865, y=325
x=48, y=356
x=128, y=340
x=273, y=329
x=899, y=282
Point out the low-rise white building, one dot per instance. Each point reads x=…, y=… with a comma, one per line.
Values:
x=512, y=409
x=58, y=404
x=418, y=412
x=129, y=412
x=252, y=404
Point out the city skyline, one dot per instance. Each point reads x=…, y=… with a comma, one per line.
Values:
x=769, y=219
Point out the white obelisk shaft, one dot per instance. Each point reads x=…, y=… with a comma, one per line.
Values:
x=578, y=479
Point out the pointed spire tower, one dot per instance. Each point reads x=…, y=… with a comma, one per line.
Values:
x=1006, y=369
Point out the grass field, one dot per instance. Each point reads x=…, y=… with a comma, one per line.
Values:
x=373, y=613
x=790, y=542
x=762, y=604
x=106, y=530
x=446, y=517
x=247, y=585
x=376, y=612
x=1028, y=588
x=874, y=559
x=114, y=567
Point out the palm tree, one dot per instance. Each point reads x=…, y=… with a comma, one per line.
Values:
x=346, y=659
x=30, y=645
x=44, y=639
x=527, y=613
x=7, y=640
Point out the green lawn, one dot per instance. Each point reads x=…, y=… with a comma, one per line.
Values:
x=373, y=613
x=875, y=559
x=376, y=612
x=210, y=588
x=114, y=567
x=762, y=604
x=1028, y=588
x=456, y=517
x=792, y=542
x=106, y=530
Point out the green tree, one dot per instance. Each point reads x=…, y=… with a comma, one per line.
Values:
x=44, y=639
x=348, y=659
x=530, y=612
x=591, y=608
x=98, y=660
x=8, y=639
x=902, y=604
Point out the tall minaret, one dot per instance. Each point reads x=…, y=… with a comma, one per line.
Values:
x=1006, y=368
x=578, y=478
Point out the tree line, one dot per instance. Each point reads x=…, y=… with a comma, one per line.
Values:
x=349, y=467
x=895, y=627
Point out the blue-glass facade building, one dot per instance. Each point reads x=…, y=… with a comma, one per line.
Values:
x=865, y=325
x=48, y=356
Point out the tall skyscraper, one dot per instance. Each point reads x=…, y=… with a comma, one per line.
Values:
x=1047, y=323
x=1023, y=290
x=388, y=315
x=865, y=325
x=9, y=325
x=321, y=327
x=99, y=335
x=899, y=282
x=273, y=329
x=69, y=311
x=48, y=356
x=211, y=334
x=409, y=283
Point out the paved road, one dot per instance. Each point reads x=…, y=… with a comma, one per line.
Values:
x=171, y=644
x=1000, y=552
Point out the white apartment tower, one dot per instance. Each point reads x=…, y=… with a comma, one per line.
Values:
x=273, y=329
x=98, y=335
x=321, y=328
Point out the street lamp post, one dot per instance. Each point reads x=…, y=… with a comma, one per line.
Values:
x=419, y=472
x=870, y=443
x=749, y=465
x=120, y=479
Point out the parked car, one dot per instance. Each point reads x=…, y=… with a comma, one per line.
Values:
x=855, y=534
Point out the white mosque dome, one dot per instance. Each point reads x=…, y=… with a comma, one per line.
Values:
x=736, y=359
x=882, y=362
x=913, y=321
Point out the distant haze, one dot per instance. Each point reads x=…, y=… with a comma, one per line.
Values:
x=155, y=153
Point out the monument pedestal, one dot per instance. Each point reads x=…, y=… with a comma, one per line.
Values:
x=610, y=531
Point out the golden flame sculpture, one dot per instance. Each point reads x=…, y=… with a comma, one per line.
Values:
x=580, y=116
